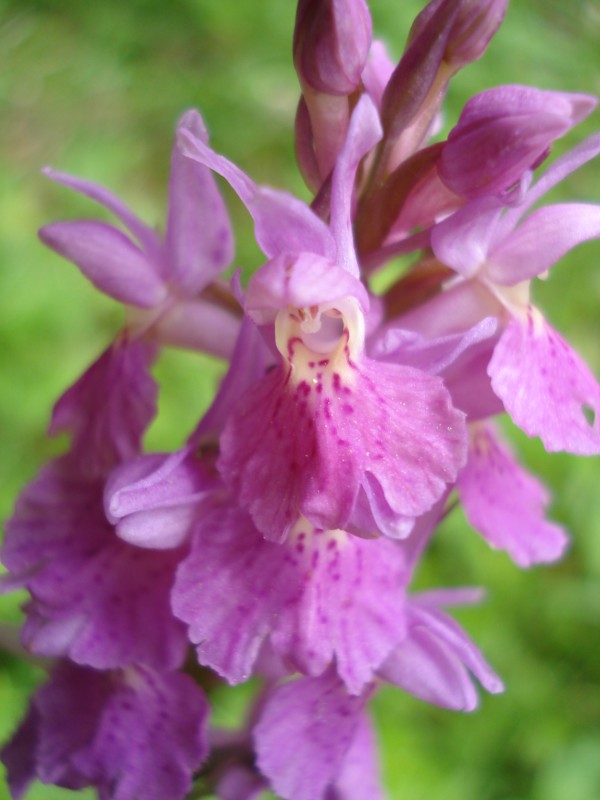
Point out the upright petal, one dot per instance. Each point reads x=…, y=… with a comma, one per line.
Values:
x=363, y=134
x=303, y=281
x=199, y=239
x=282, y=222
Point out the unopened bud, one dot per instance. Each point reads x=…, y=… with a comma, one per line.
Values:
x=504, y=132
x=472, y=28
x=476, y=24
x=331, y=44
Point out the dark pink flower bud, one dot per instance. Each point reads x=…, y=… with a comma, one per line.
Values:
x=476, y=24
x=331, y=44
x=444, y=37
x=502, y=133
x=471, y=30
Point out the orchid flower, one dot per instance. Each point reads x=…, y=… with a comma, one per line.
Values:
x=329, y=434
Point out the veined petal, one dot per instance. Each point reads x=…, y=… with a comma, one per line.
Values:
x=541, y=240
x=304, y=733
x=546, y=387
x=108, y=259
x=94, y=598
x=283, y=224
x=199, y=238
x=145, y=235
x=321, y=598
x=305, y=444
x=415, y=440
x=505, y=503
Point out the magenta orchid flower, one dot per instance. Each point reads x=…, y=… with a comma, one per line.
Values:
x=496, y=253
x=159, y=280
x=279, y=542
x=329, y=434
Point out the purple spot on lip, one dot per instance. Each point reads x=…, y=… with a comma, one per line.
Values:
x=324, y=362
x=347, y=408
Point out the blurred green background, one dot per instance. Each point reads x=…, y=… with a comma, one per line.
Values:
x=95, y=89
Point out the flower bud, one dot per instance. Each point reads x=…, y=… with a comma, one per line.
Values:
x=471, y=30
x=331, y=44
x=476, y=24
x=504, y=132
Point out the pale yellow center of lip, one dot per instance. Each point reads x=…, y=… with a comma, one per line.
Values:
x=330, y=334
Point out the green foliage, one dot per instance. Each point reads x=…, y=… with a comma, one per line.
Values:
x=95, y=89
